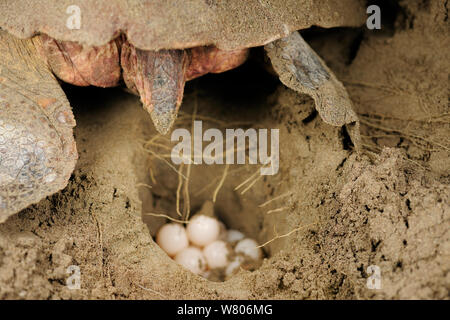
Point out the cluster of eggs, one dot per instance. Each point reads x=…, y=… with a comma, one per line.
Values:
x=205, y=245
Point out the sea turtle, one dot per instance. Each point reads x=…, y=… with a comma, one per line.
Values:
x=153, y=46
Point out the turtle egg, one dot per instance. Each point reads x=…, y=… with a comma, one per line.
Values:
x=192, y=259
x=203, y=230
x=172, y=238
x=234, y=265
x=234, y=236
x=249, y=248
x=216, y=254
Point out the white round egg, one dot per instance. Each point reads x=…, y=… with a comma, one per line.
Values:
x=248, y=247
x=192, y=259
x=216, y=254
x=202, y=230
x=172, y=238
x=234, y=265
x=234, y=236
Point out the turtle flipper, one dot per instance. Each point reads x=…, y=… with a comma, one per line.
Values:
x=37, y=148
x=158, y=77
x=302, y=70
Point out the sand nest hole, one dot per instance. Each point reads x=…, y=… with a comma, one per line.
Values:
x=206, y=228
x=237, y=197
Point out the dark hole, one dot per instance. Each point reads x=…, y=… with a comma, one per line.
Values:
x=311, y=117
x=408, y=204
x=346, y=140
x=354, y=47
x=375, y=244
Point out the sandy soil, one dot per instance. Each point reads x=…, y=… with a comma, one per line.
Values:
x=387, y=206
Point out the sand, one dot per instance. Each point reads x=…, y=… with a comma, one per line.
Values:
x=386, y=206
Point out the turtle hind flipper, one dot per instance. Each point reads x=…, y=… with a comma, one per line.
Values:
x=37, y=148
x=302, y=70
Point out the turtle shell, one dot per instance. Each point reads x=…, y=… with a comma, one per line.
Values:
x=176, y=24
